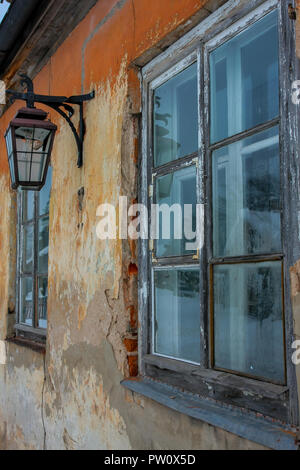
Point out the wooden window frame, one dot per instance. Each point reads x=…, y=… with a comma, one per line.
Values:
x=34, y=332
x=271, y=400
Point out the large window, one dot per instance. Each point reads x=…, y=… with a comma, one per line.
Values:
x=213, y=140
x=33, y=258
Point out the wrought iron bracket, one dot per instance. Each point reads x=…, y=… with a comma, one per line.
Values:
x=61, y=104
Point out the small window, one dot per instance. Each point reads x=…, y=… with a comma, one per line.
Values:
x=33, y=216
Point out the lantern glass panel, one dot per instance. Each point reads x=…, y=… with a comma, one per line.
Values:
x=9, y=147
x=33, y=145
x=12, y=169
x=9, y=142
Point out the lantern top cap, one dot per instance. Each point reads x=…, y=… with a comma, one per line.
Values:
x=32, y=117
x=31, y=113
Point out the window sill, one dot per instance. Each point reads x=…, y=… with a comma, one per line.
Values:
x=259, y=397
x=263, y=431
x=28, y=330
x=35, y=346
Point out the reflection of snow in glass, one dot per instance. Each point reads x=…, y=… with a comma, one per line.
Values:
x=28, y=309
x=44, y=252
x=3, y=9
x=43, y=294
x=176, y=311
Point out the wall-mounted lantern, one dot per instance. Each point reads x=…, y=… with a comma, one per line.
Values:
x=29, y=141
x=30, y=136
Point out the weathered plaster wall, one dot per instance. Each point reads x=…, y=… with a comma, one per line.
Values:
x=22, y=382
x=72, y=398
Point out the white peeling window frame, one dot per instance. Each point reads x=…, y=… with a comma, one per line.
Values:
x=273, y=399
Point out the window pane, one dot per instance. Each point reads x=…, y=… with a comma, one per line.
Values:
x=246, y=196
x=31, y=166
x=176, y=197
x=24, y=138
x=44, y=194
x=176, y=117
x=26, y=304
x=24, y=146
x=177, y=314
x=43, y=245
x=245, y=79
x=41, y=140
x=28, y=249
x=248, y=319
x=43, y=298
x=28, y=205
x=32, y=147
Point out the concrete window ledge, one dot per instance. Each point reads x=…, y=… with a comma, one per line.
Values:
x=257, y=429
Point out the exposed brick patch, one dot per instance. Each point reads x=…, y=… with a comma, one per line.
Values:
x=133, y=317
x=133, y=365
x=131, y=344
x=133, y=269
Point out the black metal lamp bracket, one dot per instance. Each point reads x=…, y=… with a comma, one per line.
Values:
x=57, y=103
